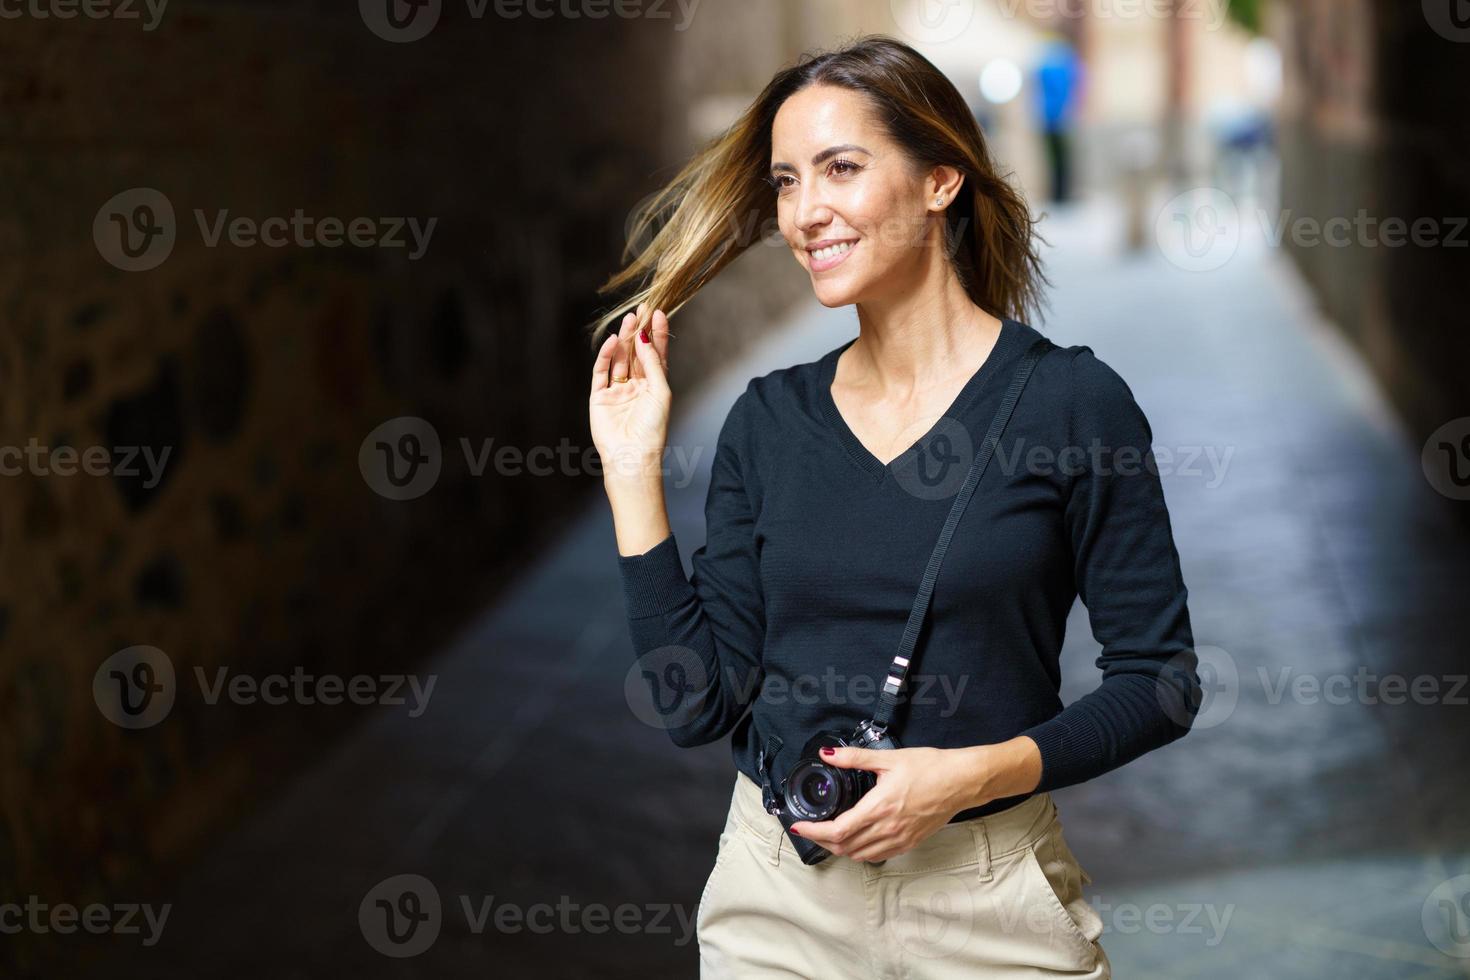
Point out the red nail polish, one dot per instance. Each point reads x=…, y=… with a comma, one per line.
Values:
x=643, y=335
x=828, y=750
x=796, y=832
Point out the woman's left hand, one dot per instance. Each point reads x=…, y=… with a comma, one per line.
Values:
x=918, y=791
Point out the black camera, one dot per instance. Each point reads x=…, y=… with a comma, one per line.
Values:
x=816, y=790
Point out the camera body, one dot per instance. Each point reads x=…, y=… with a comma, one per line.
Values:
x=817, y=790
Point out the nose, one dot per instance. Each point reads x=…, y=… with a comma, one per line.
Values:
x=812, y=210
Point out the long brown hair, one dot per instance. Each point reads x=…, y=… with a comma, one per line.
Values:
x=707, y=215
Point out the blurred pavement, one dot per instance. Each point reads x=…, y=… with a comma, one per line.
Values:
x=1282, y=839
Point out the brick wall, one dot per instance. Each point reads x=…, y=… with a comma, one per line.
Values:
x=261, y=370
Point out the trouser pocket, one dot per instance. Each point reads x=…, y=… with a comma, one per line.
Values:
x=729, y=840
x=1057, y=879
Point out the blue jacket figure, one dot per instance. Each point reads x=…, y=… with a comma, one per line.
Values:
x=1058, y=77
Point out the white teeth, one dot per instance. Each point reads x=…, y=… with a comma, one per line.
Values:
x=831, y=250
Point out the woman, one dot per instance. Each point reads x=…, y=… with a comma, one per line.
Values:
x=831, y=481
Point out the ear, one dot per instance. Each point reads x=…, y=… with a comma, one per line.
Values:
x=943, y=184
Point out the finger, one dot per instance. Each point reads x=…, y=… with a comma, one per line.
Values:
x=635, y=369
x=877, y=850
x=603, y=362
x=868, y=837
x=849, y=757
x=622, y=355
x=659, y=333
x=641, y=323
x=841, y=830
x=619, y=366
x=651, y=363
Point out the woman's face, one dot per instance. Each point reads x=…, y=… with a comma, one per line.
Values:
x=840, y=181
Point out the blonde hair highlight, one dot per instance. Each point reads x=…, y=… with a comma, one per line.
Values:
x=714, y=208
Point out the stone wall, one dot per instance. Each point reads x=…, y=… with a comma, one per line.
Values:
x=1377, y=118
x=260, y=545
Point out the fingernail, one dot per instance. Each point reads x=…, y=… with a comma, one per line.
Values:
x=828, y=750
x=643, y=335
x=796, y=832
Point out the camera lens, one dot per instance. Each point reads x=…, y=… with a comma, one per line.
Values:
x=814, y=791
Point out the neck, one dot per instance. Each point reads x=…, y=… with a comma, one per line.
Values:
x=923, y=334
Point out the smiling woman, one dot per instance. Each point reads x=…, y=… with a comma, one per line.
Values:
x=831, y=482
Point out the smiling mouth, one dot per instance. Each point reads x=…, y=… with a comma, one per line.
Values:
x=826, y=258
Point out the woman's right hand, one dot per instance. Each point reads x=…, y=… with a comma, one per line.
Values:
x=630, y=419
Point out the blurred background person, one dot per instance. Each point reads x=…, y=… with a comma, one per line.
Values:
x=1058, y=76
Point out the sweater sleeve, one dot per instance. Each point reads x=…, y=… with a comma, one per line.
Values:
x=1127, y=574
x=698, y=639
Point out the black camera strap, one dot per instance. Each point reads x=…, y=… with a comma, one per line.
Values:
x=898, y=670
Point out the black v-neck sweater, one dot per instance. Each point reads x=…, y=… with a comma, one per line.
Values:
x=815, y=548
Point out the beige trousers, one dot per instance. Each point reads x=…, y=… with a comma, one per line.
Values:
x=995, y=896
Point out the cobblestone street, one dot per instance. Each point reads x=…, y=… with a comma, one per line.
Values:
x=1299, y=832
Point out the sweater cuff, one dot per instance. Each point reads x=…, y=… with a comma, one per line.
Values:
x=654, y=581
x=1071, y=751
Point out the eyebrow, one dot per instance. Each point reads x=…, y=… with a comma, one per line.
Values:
x=826, y=154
